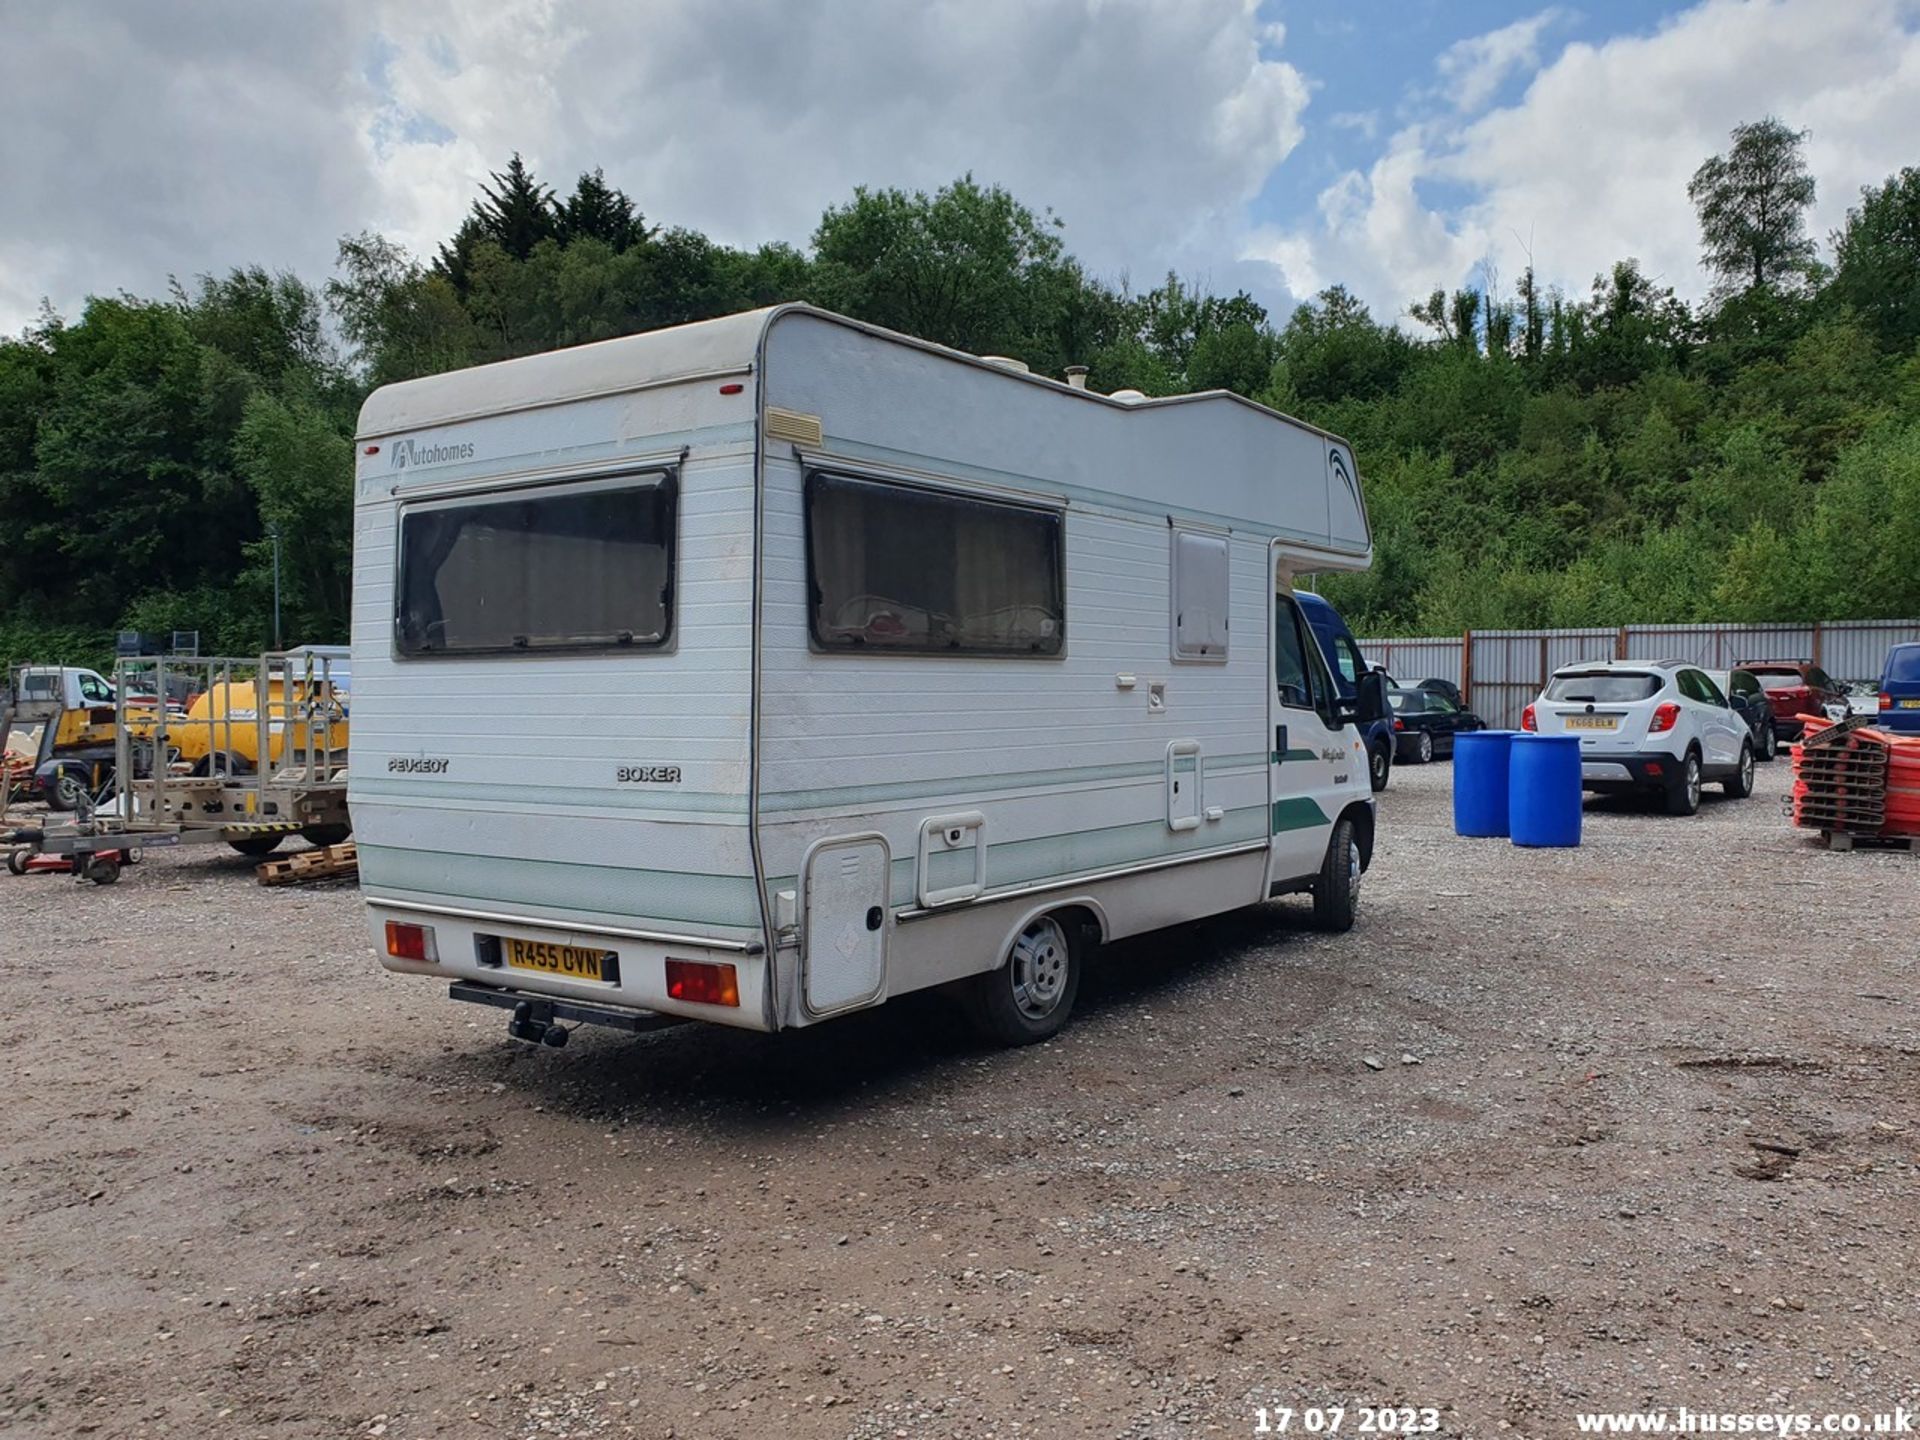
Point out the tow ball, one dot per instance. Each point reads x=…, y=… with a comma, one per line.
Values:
x=530, y=1024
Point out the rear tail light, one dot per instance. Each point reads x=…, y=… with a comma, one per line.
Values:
x=1665, y=718
x=1399, y=724
x=1886, y=701
x=1527, y=720
x=702, y=983
x=411, y=942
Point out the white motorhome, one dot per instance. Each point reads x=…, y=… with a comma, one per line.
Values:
x=759, y=670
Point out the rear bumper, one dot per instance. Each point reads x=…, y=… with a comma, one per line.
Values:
x=641, y=988
x=1899, y=722
x=1645, y=771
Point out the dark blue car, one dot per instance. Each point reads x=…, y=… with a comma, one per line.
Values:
x=1348, y=664
x=1900, y=691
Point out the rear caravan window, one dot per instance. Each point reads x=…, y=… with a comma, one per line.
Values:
x=901, y=570
x=580, y=568
x=1604, y=687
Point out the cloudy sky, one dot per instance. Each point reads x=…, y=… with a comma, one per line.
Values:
x=1280, y=146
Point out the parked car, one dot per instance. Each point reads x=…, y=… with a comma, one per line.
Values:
x=1900, y=690
x=1796, y=688
x=1425, y=722
x=1446, y=688
x=1343, y=657
x=1747, y=695
x=1661, y=726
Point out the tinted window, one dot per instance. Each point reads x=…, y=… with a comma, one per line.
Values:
x=1821, y=679
x=1290, y=645
x=1780, y=679
x=567, y=570
x=1903, y=664
x=1348, y=657
x=1407, y=702
x=1745, y=683
x=1604, y=687
x=1702, y=688
x=898, y=569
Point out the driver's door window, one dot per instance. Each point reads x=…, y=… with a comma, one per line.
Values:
x=1291, y=668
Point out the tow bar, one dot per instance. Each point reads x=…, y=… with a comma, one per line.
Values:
x=535, y=1018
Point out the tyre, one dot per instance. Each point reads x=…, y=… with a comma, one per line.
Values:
x=17, y=859
x=1423, y=748
x=1769, y=743
x=254, y=846
x=1336, y=894
x=325, y=834
x=1739, y=785
x=1030, y=996
x=102, y=870
x=69, y=791
x=1683, y=787
x=1379, y=767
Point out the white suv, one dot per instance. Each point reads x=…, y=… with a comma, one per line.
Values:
x=1659, y=725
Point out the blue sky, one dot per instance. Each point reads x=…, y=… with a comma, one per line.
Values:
x=1392, y=146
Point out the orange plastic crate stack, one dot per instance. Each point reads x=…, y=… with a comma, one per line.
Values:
x=1857, y=780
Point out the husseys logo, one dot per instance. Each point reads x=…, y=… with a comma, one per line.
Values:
x=412, y=452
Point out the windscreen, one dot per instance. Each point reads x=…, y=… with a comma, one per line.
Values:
x=1604, y=687
x=558, y=570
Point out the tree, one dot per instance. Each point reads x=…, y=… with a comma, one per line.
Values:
x=402, y=320
x=597, y=211
x=516, y=213
x=1753, y=204
x=1877, y=260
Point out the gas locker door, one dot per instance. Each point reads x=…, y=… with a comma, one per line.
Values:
x=844, y=921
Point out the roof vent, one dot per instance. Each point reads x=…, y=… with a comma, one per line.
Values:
x=1131, y=397
x=1007, y=362
x=1077, y=376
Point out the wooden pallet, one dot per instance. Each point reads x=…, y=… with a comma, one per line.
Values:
x=1842, y=840
x=328, y=862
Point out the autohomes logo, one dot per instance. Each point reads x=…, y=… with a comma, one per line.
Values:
x=412, y=452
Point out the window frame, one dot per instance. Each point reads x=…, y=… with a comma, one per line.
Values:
x=1175, y=654
x=1310, y=643
x=666, y=476
x=1056, y=514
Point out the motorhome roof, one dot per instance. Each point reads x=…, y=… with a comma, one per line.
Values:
x=729, y=345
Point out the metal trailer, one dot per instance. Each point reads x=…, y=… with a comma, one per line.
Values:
x=260, y=755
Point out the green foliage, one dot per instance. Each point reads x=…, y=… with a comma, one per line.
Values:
x=1538, y=460
x=1753, y=204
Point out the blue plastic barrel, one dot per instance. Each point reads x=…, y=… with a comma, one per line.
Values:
x=1480, y=782
x=1543, y=789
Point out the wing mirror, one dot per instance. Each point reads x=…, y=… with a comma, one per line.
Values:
x=1369, y=702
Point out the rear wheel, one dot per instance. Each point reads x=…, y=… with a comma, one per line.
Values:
x=1683, y=788
x=1379, y=766
x=1423, y=749
x=254, y=846
x=1769, y=742
x=1030, y=996
x=1739, y=785
x=324, y=835
x=69, y=791
x=1336, y=894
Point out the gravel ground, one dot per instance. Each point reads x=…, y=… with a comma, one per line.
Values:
x=255, y=1186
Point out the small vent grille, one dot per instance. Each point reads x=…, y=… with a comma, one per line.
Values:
x=792, y=425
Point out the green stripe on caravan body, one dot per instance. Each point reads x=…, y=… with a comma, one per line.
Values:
x=719, y=807
x=964, y=787
x=492, y=880
x=1297, y=813
x=1275, y=757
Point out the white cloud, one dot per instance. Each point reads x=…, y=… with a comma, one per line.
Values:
x=1474, y=69
x=141, y=140
x=1591, y=164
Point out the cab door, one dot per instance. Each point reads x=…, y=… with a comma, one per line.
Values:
x=1312, y=759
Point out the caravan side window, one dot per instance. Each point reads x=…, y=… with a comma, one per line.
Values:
x=586, y=567
x=897, y=569
x=1200, y=592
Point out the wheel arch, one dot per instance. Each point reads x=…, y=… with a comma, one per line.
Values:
x=1080, y=911
x=1362, y=816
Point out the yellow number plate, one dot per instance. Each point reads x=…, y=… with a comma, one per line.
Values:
x=1593, y=722
x=1909, y=705
x=572, y=961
